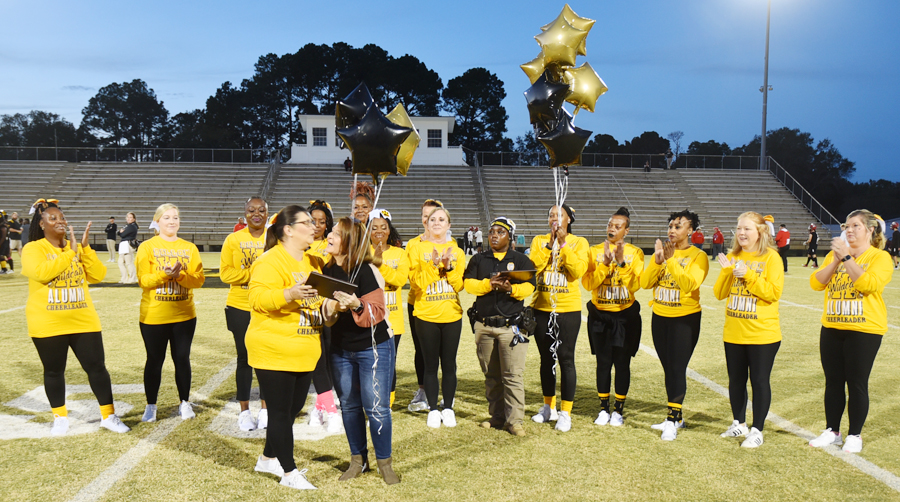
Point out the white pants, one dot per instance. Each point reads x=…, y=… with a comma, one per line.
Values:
x=126, y=267
x=111, y=246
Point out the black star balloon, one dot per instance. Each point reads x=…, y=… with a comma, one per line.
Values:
x=351, y=109
x=545, y=99
x=565, y=142
x=374, y=142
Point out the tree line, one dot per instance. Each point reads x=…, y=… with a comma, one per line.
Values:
x=262, y=113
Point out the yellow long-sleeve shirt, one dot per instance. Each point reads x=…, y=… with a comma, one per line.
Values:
x=283, y=335
x=59, y=302
x=239, y=251
x=413, y=289
x=395, y=271
x=318, y=249
x=676, y=283
x=168, y=300
x=857, y=306
x=612, y=287
x=437, y=299
x=751, y=313
x=571, y=264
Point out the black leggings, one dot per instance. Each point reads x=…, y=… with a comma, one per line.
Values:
x=758, y=361
x=321, y=376
x=237, y=321
x=396, y=347
x=419, y=362
x=847, y=358
x=156, y=338
x=620, y=357
x=440, y=343
x=88, y=349
x=675, y=339
x=569, y=325
x=286, y=394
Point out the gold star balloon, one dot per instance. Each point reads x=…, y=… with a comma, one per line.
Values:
x=404, y=157
x=581, y=23
x=534, y=68
x=560, y=41
x=585, y=86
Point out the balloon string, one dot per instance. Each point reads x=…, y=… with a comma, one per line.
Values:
x=376, y=385
x=561, y=187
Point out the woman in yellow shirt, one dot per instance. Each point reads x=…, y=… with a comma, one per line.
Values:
x=752, y=279
x=675, y=273
x=614, y=316
x=239, y=251
x=436, y=268
x=395, y=271
x=419, y=402
x=560, y=259
x=854, y=321
x=60, y=313
x=324, y=220
x=283, y=340
x=168, y=270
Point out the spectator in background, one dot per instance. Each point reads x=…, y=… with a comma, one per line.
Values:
x=126, y=252
x=647, y=166
x=697, y=239
x=895, y=244
x=26, y=227
x=770, y=222
x=718, y=242
x=348, y=165
x=15, y=234
x=669, y=158
x=111, y=228
x=241, y=224
x=5, y=255
x=479, y=240
x=783, y=241
x=812, y=243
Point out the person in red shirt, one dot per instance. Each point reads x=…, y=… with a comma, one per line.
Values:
x=697, y=239
x=718, y=244
x=783, y=241
x=240, y=224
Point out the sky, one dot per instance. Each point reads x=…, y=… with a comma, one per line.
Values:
x=694, y=65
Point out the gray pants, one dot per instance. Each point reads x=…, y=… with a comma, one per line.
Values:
x=504, y=368
x=111, y=246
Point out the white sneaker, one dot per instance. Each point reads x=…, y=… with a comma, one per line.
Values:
x=113, y=423
x=564, y=422
x=853, y=444
x=149, y=413
x=826, y=438
x=60, y=426
x=186, y=410
x=660, y=426
x=602, y=418
x=448, y=417
x=546, y=414
x=297, y=480
x=316, y=417
x=737, y=429
x=246, y=422
x=335, y=423
x=419, y=401
x=754, y=438
x=434, y=419
x=616, y=419
x=262, y=419
x=271, y=466
x=669, y=432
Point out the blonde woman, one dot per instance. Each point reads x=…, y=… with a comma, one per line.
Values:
x=168, y=270
x=854, y=321
x=752, y=279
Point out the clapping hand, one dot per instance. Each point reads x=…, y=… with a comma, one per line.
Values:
x=173, y=270
x=724, y=261
x=435, y=257
x=447, y=258
x=668, y=250
x=72, y=242
x=620, y=252
x=658, y=252
x=607, y=254
x=840, y=248
x=740, y=269
x=84, y=237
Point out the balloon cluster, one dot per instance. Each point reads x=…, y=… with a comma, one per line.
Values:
x=380, y=144
x=555, y=80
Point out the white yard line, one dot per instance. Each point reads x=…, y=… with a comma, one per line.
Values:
x=97, y=488
x=866, y=467
x=12, y=309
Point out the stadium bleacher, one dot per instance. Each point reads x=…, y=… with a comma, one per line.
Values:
x=211, y=196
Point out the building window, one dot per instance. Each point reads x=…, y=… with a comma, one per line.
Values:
x=434, y=138
x=320, y=136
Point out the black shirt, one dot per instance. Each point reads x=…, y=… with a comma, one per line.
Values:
x=483, y=266
x=346, y=334
x=129, y=232
x=15, y=236
x=813, y=238
x=111, y=231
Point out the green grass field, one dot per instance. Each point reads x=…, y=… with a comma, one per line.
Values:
x=197, y=461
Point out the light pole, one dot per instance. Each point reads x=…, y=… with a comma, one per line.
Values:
x=765, y=90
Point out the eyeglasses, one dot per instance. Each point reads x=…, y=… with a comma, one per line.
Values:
x=308, y=223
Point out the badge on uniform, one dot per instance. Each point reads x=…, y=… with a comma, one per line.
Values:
x=510, y=266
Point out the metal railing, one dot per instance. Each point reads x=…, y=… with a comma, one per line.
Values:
x=800, y=193
x=617, y=160
x=103, y=154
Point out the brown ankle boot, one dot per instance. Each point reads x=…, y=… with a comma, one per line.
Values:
x=387, y=472
x=358, y=465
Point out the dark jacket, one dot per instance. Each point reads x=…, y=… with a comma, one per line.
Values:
x=111, y=231
x=129, y=232
x=483, y=266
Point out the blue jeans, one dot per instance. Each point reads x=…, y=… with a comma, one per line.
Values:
x=365, y=392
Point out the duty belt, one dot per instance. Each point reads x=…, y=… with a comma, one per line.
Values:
x=497, y=321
